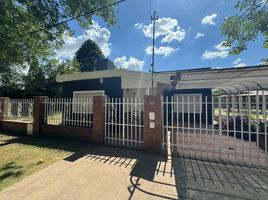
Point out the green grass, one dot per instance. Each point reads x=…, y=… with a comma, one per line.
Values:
x=21, y=156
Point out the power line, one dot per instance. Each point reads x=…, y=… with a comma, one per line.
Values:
x=72, y=18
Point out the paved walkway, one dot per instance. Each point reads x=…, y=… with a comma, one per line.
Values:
x=101, y=172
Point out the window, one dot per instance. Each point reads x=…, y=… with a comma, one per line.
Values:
x=83, y=101
x=191, y=103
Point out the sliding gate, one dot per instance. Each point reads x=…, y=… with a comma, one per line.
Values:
x=230, y=127
x=124, y=122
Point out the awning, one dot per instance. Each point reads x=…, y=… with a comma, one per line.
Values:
x=230, y=80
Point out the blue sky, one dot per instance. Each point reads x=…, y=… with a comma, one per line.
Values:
x=180, y=21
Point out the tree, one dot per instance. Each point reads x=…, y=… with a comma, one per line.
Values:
x=250, y=22
x=20, y=19
x=88, y=55
x=41, y=78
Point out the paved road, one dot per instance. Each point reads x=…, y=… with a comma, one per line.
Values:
x=101, y=172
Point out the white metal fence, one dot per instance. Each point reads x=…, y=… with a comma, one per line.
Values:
x=77, y=112
x=226, y=127
x=124, y=122
x=19, y=110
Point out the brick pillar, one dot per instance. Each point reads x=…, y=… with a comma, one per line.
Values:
x=98, y=129
x=3, y=100
x=38, y=113
x=153, y=135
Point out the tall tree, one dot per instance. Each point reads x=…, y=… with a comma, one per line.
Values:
x=250, y=22
x=41, y=78
x=88, y=55
x=20, y=19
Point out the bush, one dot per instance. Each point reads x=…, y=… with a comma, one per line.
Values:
x=235, y=124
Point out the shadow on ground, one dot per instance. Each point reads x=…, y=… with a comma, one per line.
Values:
x=53, y=143
x=193, y=178
x=190, y=178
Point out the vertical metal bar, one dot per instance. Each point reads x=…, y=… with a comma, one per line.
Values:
x=167, y=122
x=200, y=123
x=258, y=124
x=136, y=124
x=264, y=122
x=127, y=125
x=249, y=126
x=213, y=132
x=123, y=126
x=265, y=129
x=241, y=124
x=131, y=121
x=234, y=113
x=188, y=133
x=206, y=114
x=227, y=121
x=177, y=132
x=194, y=107
x=183, y=123
x=220, y=128
x=172, y=124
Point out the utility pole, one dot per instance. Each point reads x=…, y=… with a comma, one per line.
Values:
x=153, y=18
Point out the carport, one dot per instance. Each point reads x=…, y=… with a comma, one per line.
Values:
x=238, y=130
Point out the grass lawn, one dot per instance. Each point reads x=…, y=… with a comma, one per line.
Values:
x=21, y=156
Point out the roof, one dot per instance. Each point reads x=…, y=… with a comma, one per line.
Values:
x=130, y=79
x=231, y=80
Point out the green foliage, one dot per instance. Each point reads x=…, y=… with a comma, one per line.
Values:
x=250, y=22
x=88, y=55
x=41, y=79
x=18, y=18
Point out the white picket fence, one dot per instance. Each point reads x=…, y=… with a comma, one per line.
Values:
x=19, y=110
x=226, y=127
x=76, y=112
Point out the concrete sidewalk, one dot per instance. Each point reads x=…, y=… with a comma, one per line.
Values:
x=101, y=172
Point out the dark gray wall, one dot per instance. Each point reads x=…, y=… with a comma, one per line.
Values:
x=111, y=86
x=205, y=92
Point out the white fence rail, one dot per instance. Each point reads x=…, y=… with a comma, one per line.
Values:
x=76, y=112
x=124, y=122
x=19, y=110
x=232, y=127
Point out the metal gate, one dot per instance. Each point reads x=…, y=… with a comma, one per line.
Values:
x=124, y=122
x=232, y=127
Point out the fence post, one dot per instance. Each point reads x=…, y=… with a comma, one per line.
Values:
x=38, y=113
x=98, y=129
x=153, y=123
x=3, y=108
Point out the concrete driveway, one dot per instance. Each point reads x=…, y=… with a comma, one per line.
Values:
x=102, y=172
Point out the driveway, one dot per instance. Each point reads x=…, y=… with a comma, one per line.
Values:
x=102, y=172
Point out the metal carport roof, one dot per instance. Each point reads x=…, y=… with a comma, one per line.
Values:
x=230, y=80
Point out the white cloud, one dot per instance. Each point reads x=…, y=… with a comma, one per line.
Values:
x=166, y=51
x=131, y=63
x=98, y=34
x=209, y=19
x=166, y=27
x=240, y=65
x=210, y=55
x=199, y=35
x=221, y=52
x=237, y=61
x=220, y=47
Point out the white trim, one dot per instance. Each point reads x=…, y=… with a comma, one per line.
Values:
x=124, y=74
x=89, y=91
x=190, y=102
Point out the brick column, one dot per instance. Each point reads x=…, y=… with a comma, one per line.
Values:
x=3, y=100
x=38, y=113
x=98, y=129
x=153, y=136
